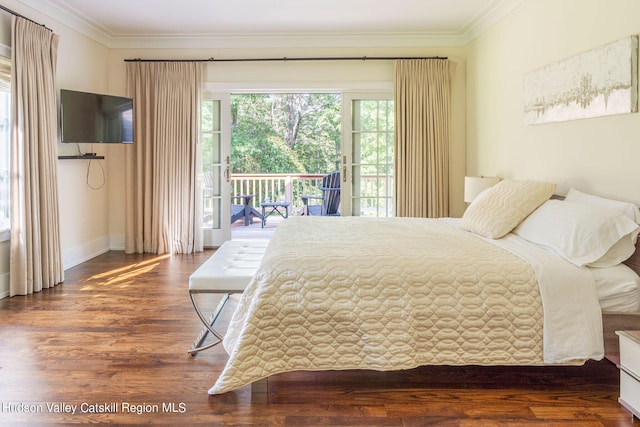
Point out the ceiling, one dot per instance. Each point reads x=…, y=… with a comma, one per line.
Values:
x=207, y=23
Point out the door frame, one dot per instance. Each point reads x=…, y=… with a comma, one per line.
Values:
x=222, y=91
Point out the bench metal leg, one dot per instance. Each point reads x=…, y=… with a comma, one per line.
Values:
x=208, y=325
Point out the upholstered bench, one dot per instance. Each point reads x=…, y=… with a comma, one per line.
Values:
x=227, y=271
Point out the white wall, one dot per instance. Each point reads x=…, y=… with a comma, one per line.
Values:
x=82, y=186
x=599, y=155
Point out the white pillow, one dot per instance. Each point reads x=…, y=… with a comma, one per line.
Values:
x=582, y=234
x=628, y=209
x=618, y=253
x=499, y=209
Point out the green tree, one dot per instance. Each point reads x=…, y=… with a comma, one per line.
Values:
x=285, y=133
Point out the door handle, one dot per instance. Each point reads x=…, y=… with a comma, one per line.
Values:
x=227, y=170
x=344, y=168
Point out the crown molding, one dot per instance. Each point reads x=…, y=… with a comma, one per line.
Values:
x=84, y=25
x=488, y=18
x=73, y=20
x=287, y=40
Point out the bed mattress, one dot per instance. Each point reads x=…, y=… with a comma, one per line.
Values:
x=618, y=288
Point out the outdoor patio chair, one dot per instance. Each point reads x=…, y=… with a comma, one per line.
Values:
x=208, y=184
x=329, y=200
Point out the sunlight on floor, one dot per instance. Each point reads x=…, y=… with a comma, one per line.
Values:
x=124, y=275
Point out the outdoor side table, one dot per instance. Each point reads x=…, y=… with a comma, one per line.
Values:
x=275, y=208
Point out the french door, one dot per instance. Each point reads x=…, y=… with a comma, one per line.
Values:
x=368, y=177
x=368, y=155
x=215, y=141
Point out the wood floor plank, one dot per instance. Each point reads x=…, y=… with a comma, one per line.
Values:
x=116, y=335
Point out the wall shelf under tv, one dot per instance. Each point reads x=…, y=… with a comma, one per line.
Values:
x=82, y=157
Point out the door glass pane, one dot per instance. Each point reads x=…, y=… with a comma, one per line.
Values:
x=211, y=164
x=372, y=157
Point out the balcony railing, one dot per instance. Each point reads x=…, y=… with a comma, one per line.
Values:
x=276, y=187
x=374, y=192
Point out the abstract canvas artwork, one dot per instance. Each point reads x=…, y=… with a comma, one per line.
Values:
x=600, y=82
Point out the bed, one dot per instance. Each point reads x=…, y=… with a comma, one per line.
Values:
x=397, y=293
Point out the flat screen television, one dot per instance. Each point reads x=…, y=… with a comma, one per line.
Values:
x=94, y=118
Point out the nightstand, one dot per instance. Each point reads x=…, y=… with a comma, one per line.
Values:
x=630, y=371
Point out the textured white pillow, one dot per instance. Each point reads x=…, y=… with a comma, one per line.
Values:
x=582, y=234
x=626, y=208
x=499, y=209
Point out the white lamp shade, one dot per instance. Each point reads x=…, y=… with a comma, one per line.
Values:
x=474, y=185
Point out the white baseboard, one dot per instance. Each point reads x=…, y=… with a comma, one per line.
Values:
x=4, y=285
x=70, y=258
x=79, y=254
x=116, y=242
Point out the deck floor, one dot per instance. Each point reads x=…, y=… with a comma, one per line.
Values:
x=255, y=231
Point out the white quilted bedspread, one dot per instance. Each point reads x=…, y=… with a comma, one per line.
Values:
x=383, y=294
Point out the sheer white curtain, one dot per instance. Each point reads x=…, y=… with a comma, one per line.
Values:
x=422, y=107
x=36, y=261
x=162, y=204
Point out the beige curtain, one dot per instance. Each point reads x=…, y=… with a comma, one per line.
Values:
x=162, y=204
x=422, y=112
x=36, y=261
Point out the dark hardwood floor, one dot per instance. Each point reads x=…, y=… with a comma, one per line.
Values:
x=113, y=340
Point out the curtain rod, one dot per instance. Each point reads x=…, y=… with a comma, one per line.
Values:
x=285, y=59
x=6, y=9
